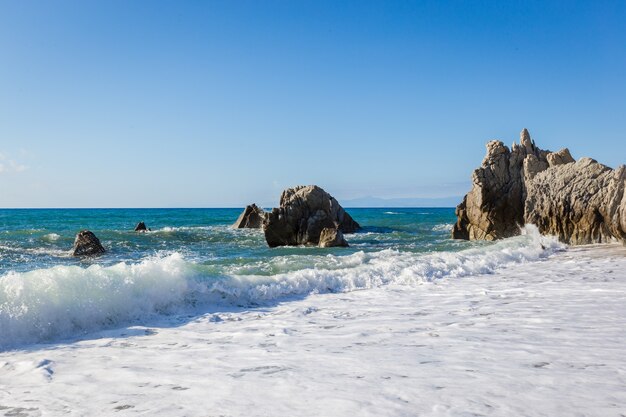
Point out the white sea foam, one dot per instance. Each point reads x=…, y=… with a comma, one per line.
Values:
x=169, y=229
x=392, y=212
x=443, y=227
x=51, y=237
x=540, y=339
x=48, y=304
x=37, y=251
x=59, y=301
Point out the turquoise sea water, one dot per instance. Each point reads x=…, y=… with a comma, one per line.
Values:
x=193, y=261
x=41, y=238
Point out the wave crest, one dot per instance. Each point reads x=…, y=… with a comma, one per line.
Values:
x=48, y=304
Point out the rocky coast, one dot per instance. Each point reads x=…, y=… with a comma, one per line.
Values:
x=580, y=202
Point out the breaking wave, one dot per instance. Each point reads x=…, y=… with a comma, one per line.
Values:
x=443, y=227
x=63, y=301
x=50, y=237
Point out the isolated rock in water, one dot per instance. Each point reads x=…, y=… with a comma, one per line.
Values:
x=252, y=217
x=330, y=237
x=141, y=227
x=86, y=244
x=580, y=202
x=303, y=213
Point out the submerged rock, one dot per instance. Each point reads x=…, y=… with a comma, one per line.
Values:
x=580, y=202
x=141, y=227
x=303, y=213
x=331, y=237
x=87, y=244
x=252, y=217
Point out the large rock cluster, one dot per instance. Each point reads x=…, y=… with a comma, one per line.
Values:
x=304, y=212
x=307, y=215
x=580, y=202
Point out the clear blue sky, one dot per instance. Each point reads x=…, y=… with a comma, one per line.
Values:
x=222, y=103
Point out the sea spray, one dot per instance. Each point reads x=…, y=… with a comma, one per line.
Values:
x=62, y=301
x=59, y=301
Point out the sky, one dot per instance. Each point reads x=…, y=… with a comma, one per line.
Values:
x=225, y=103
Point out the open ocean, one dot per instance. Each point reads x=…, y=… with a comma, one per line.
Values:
x=192, y=259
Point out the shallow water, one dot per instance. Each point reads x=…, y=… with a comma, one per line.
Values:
x=540, y=339
x=192, y=259
x=196, y=316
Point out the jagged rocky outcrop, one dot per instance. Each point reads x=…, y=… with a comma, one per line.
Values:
x=332, y=237
x=303, y=213
x=141, y=227
x=87, y=244
x=252, y=217
x=580, y=202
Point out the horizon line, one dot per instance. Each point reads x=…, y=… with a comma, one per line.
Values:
x=205, y=208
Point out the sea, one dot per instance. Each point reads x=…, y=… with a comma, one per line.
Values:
x=193, y=259
x=195, y=318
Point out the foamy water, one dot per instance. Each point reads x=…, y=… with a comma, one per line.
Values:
x=196, y=316
x=541, y=334
x=52, y=303
x=190, y=258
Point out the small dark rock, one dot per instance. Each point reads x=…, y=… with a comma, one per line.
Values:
x=87, y=244
x=141, y=227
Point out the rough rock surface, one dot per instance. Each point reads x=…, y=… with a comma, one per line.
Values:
x=252, y=217
x=559, y=158
x=331, y=237
x=87, y=244
x=580, y=202
x=494, y=208
x=141, y=227
x=303, y=213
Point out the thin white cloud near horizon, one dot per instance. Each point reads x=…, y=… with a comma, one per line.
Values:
x=8, y=165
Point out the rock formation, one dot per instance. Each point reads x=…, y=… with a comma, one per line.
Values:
x=494, y=208
x=580, y=202
x=141, y=227
x=252, y=217
x=303, y=213
x=331, y=237
x=559, y=158
x=87, y=244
